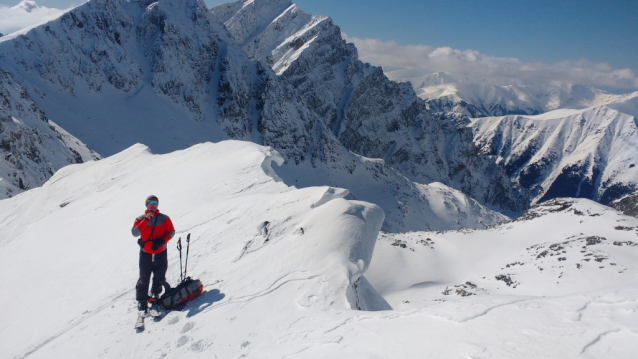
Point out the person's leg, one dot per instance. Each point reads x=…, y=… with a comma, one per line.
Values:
x=146, y=268
x=159, y=271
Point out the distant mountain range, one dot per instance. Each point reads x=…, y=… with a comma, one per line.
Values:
x=446, y=93
x=171, y=74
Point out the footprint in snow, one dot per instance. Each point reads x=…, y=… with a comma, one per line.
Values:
x=182, y=340
x=188, y=326
x=198, y=346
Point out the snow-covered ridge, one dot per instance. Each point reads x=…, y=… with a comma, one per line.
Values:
x=587, y=153
x=559, y=247
x=242, y=220
x=286, y=270
x=276, y=32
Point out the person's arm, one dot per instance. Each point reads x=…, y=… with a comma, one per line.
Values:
x=135, y=230
x=169, y=230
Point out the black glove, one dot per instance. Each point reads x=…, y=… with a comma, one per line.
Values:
x=140, y=243
x=157, y=243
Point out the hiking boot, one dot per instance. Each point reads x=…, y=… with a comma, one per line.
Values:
x=142, y=306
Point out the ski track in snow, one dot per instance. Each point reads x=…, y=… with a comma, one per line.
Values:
x=598, y=338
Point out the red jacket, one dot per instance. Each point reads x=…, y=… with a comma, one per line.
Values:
x=159, y=226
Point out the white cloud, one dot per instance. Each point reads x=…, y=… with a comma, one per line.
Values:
x=477, y=67
x=26, y=14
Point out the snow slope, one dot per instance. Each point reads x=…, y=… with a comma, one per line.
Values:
x=587, y=153
x=559, y=281
x=283, y=270
x=269, y=255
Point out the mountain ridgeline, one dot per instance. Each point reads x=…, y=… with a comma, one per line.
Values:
x=174, y=73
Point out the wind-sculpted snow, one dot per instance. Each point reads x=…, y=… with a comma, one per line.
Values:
x=268, y=258
x=566, y=153
x=32, y=147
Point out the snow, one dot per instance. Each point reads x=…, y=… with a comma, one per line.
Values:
x=445, y=92
x=32, y=147
x=219, y=193
x=598, y=144
x=286, y=269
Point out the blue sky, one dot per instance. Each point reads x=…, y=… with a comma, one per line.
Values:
x=539, y=31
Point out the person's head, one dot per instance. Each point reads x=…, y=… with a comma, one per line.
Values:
x=152, y=203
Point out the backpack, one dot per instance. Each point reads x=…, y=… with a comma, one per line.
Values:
x=187, y=290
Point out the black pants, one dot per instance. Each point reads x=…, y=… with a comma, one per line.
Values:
x=148, y=265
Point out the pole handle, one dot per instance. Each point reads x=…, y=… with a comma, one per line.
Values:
x=188, y=245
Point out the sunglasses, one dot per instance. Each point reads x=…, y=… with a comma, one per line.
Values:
x=153, y=202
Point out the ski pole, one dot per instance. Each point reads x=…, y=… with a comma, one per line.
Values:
x=179, y=247
x=188, y=245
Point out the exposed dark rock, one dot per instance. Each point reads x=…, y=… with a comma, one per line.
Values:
x=627, y=204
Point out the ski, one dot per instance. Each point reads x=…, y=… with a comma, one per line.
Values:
x=139, y=324
x=154, y=313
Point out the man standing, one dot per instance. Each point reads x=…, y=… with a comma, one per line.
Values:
x=155, y=229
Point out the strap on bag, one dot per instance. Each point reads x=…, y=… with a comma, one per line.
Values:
x=152, y=230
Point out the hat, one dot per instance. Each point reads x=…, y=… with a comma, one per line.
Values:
x=151, y=198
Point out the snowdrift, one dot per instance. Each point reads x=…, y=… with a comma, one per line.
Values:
x=269, y=255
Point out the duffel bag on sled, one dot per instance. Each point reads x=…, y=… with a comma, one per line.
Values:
x=185, y=291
